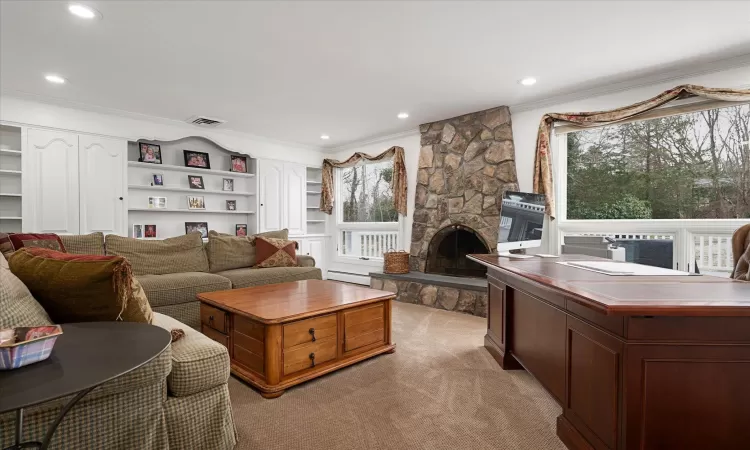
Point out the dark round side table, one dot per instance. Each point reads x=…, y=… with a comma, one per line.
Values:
x=84, y=357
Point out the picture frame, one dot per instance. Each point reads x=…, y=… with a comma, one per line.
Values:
x=157, y=202
x=196, y=202
x=149, y=153
x=196, y=182
x=227, y=184
x=137, y=231
x=197, y=160
x=231, y=205
x=149, y=231
x=238, y=164
x=158, y=179
x=202, y=227
x=240, y=229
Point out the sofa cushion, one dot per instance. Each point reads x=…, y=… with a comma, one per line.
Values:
x=198, y=363
x=159, y=257
x=242, y=278
x=81, y=288
x=175, y=288
x=84, y=244
x=18, y=308
x=226, y=252
x=10, y=242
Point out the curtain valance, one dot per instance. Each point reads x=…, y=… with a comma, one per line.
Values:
x=543, y=160
x=398, y=181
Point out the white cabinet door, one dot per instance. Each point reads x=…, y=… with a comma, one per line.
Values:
x=270, y=185
x=317, y=251
x=53, y=178
x=102, y=163
x=295, y=202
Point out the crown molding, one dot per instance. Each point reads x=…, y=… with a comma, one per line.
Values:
x=371, y=140
x=195, y=131
x=638, y=82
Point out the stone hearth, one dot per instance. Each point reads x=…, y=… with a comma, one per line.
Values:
x=465, y=165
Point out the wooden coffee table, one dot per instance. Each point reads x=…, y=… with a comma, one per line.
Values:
x=281, y=335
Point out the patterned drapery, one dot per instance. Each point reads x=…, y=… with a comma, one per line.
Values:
x=398, y=181
x=543, y=159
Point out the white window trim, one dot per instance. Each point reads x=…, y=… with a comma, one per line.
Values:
x=341, y=226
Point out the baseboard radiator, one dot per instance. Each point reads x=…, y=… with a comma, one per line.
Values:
x=348, y=277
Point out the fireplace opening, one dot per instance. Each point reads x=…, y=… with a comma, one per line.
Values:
x=447, y=252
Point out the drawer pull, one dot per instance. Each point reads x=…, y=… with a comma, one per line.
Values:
x=312, y=333
x=210, y=318
x=312, y=359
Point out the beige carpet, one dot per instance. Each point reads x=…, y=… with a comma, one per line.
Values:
x=440, y=390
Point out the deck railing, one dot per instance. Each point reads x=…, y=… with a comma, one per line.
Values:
x=368, y=244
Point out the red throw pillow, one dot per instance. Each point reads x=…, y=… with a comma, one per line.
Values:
x=15, y=241
x=270, y=252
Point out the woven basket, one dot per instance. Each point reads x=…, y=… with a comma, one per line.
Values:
x=396, y=262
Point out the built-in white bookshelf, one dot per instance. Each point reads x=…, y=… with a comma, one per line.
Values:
x=11, y=171
x=316, y=219
x=170, y=221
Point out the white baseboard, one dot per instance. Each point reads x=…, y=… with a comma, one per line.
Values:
x=348, y=277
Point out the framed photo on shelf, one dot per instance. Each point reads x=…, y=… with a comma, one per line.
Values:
x=198, y=160
x=196, y=182
x=137, y=231
x=201, y=227
x=228, y=184
x=158, y=179
x=240, y=229
x=231, y=205
x=239, y=164
x=149, y=231
x=150, y=153
x=195, y=202
x=157, y=202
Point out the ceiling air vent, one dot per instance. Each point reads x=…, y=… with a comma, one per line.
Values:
x=203, y=121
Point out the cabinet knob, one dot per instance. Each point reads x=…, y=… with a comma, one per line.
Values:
x=120, y=198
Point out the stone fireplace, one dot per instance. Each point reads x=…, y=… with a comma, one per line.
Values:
x=465, y=165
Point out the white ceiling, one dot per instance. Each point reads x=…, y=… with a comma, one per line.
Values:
x=294, y=70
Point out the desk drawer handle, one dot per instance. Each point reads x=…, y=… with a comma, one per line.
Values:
x=210, y=318
x=312, y=359
x=312, y=333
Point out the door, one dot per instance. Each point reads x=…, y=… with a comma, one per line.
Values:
x=53, y=178
x=270, y=179
x=101, y=167
x=315, y=247
x=295, y=201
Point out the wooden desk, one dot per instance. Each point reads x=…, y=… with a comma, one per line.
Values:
x=635, y=362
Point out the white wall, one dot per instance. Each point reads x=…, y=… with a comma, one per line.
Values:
x=410, y=143
x=526, y=121
x=26, y=112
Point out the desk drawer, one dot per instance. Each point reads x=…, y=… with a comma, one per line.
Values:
x=213, y=318
x=301, y=357
x=214, y=335
x=303, y=331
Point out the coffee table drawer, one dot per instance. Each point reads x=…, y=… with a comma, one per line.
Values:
x=214, y=335
x=309, y=355
x=213, y=318
x=364, y=326
x=304, y=331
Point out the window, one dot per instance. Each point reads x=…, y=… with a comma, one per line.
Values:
x=367, y=220
x=687, y=166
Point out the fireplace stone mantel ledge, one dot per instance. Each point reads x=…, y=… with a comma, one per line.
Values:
x=466, y=283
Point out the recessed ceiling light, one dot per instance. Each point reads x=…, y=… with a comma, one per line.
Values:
x=57, y=79
x=403, y=115
x=528, y=81
x=325, y=136
x=83, y=11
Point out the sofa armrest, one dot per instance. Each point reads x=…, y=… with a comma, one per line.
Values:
x=305, y=261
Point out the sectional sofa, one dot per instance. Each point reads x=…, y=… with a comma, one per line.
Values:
x=180, y=400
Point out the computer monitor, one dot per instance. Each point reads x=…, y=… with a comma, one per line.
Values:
x=521, y=221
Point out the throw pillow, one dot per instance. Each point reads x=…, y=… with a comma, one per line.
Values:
x=275, y=252
x=227, y=252
x=13, y=241
x=18, y=308
x=81, y=288
x=84, y=244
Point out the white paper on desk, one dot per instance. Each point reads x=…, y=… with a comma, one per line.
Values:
x=615, y=268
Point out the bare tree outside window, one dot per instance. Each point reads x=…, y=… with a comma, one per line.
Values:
x=689, y=166
x=366, y=193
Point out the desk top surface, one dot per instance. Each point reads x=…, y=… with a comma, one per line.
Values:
x=630, y=295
